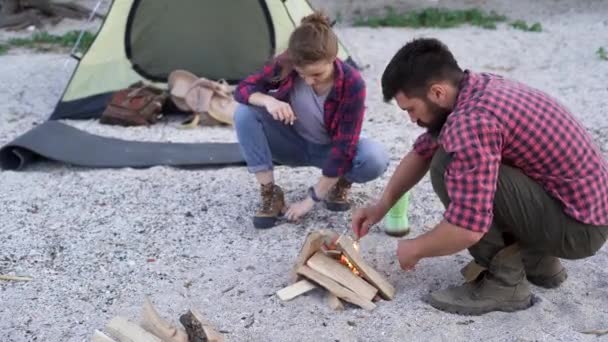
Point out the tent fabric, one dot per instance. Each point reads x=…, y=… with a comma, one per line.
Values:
x=144, y=40
x=150, y=38
x=191, y=38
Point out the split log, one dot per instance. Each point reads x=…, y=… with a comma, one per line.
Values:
x=98, y=336
x=342, y=275
x=346, y=245
x=198, y=329
x=334, y=302
x=314, y=241
x=126, y=331
x=194, y=328
x=153, y=323
x=292, y=291
x=335, y=288
x=332, y=253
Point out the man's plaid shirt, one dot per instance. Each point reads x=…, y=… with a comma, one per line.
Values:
x=343, y=110
x=496, y=121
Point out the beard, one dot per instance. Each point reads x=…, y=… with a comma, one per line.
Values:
x=440, y=116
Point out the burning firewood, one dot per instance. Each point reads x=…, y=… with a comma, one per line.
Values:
x=332, y=253
x=334, y=263
x=335, y=288
x=313, y=243
x=346, y=245
x=342, y=275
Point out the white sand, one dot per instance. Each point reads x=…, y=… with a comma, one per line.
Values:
x=85, y=235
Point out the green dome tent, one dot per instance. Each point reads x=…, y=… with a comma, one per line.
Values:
x=145, y=40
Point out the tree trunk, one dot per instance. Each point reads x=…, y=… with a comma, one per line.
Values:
x=8, y=7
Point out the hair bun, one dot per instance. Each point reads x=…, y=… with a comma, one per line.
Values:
x=317, y=18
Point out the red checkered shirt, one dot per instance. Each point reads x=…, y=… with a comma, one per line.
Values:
x=343, y=110
x=496, y=121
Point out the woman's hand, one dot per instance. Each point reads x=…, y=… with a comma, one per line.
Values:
x=280, y=111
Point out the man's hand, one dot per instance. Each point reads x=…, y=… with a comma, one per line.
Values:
x=299, y=209
x=407, y=254
x=364, y=218
x=280, y=111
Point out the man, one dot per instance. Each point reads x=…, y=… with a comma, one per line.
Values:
x=522, y=182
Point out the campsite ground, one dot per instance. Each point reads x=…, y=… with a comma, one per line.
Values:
x=96, y=242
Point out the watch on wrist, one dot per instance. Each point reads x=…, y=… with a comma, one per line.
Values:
x=313, y=195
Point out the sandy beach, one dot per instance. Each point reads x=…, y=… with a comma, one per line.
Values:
x=96, y=241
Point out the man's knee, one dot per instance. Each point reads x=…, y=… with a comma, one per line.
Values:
x=582, y=241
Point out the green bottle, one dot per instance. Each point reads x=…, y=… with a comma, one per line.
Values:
x=396, y=221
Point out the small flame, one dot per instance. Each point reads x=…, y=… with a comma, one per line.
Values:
x=344, y=260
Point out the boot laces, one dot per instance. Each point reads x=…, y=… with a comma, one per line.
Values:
x=267, y=198
x=341, y=190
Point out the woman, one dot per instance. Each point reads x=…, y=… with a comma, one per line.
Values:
x=306, y=108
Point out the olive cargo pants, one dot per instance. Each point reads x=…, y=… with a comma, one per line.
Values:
x=525, y=213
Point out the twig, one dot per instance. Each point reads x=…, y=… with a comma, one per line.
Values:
x=15, y=278
x=598, y=332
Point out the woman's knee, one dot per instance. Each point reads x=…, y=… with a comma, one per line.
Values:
x=244, y=116
x=379, y=159
x=371, y=162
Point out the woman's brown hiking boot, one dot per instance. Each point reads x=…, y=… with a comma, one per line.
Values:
x=272, y=206
x=337, y=199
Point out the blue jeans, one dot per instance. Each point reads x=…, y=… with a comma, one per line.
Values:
x=264, y=140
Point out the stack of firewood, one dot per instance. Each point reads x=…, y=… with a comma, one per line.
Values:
x=154, y=329
x=334, y=263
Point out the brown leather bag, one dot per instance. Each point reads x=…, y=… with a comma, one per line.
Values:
x=138, y=105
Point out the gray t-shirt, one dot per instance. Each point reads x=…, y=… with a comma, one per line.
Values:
x=308, y=108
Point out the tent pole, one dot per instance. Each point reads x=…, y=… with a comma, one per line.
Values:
x=91, y=16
